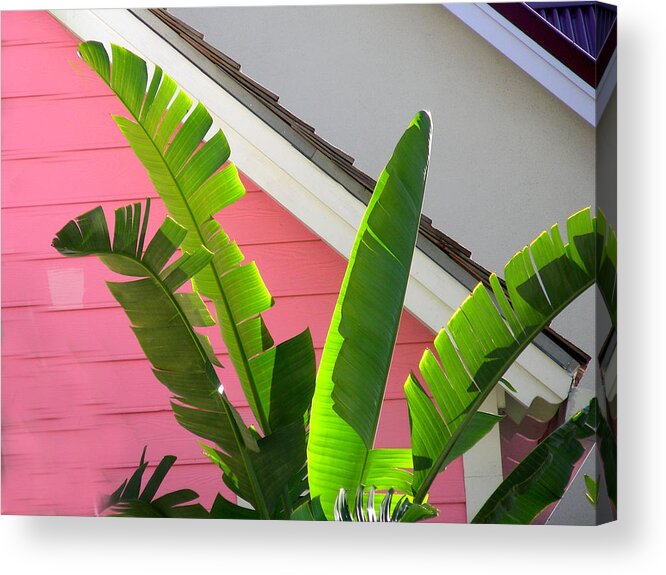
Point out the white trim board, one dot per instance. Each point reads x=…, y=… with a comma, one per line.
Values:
x=311, y=195
x=582, y=98
x=481, y=465
x=606, y=86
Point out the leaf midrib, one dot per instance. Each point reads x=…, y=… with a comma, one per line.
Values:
x=239, y=440
x=227, y=308
x=151, y=274
x=476, y=404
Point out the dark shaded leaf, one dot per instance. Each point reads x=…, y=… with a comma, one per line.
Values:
x=543, y=476
x=126, y=502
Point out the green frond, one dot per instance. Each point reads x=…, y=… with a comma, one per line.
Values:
x=130, y=501
x=543, y=476
x=355, y=362
x=183, y=359
x=489, y=331
x=195, y=181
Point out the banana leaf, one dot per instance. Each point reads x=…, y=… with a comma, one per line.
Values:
x=355, y=362
x=183, y=359
x=129, y=500
x=492, y=327
x=309, y=510
x=592, y=490
x=196, y=181
x=607, y=443
x=543, y=476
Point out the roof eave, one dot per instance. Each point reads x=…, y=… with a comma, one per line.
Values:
x=583, y=84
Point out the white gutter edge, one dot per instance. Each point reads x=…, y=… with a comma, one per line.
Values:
x=606, y=86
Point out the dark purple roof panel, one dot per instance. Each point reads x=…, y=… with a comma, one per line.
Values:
x=581, y=35
x=586, y=24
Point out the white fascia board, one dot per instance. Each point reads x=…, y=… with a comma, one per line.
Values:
x=311, y=195
x=535, y=61
x=606, y=86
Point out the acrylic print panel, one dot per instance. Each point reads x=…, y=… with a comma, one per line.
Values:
x=251, y=357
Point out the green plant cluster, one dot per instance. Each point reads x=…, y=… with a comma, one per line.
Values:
x=314, y=441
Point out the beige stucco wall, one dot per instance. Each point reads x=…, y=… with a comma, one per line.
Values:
x=508, y=157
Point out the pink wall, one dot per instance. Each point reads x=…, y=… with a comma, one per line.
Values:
x=78, y=399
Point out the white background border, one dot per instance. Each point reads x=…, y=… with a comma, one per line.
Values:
x=77, y=545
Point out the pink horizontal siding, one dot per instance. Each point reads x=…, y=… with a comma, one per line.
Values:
x=78, y=399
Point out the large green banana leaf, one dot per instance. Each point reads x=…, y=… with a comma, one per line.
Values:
x=490, y=330
x=543, y=476
x=195, y=181
x=182, y=358
x=357, y=353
